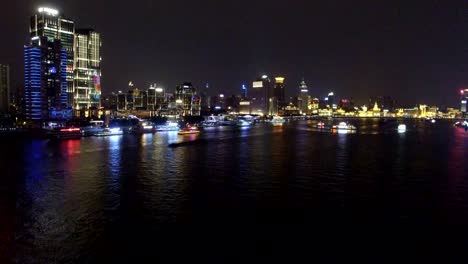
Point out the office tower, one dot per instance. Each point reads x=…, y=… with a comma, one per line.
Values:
x=330, y=100
x=464, y=101
x=47, y=22
x=260, y=95
x=121, y=101
x=304, y=96
x=183, y=97
x=87, y=72
x=45, y=80
x=278, y=91
x=244, y=91
x=4, y=88
x=205, y=98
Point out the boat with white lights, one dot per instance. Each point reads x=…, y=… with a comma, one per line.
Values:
x=277, y=120
x=401, y=128
x=320, y=125
x=243, y=123
x=110, y=131
x=93, y=128
x=343, y=126
x=168, y=126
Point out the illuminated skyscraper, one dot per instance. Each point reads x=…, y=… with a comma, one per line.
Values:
x=304, y=96
x=45, y=82
x=278, y=91
x=187, y=102
x=87, y=71
x=260, y=95
x=244, y=91
x=4, y=88
x=47, y=22
x=464, y=101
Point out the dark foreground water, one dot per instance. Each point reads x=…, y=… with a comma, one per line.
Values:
x=288, y=194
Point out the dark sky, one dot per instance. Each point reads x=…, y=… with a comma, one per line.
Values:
x=415, y=51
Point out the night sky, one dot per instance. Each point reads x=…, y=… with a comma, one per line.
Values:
x=415, y=51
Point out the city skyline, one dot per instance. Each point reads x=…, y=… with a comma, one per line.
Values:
x=399, y=55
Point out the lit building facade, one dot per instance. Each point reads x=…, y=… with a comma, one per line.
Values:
x=47, y=22
x=87, y=72
x=260, y=95
x=278, y=92
x=45, y=80
x=187, y=102
x=464, y=102
x=304, y=97
x=4, y=88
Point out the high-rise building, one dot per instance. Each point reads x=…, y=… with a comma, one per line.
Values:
x=464, y=101
x=87, y=71
x=244, y=91
x=278, y=91
x=4, y=88
x=304, y=96
x=45, y=80
x=260, y=95
x=47, y=22
x=330, y=100
x=186, y=101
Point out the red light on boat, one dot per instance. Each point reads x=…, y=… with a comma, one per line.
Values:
x=69, y=129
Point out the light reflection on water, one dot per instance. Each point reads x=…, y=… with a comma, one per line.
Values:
x=85, y=200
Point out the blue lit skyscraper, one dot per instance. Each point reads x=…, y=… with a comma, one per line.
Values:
x=244, y=91
x=45, y=79
x=48, y=22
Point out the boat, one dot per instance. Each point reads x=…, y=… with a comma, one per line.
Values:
x=169, y=126
x=461, y=124
x=343, y=126
x=431, y=120
x=143, y=127
x=277, y=120
x=401, y=128
x=243, y=123
x=110, y=132
x=320, y=125
x=63, y=132
x=208, y=123
x=189, y=130
x=93, y=128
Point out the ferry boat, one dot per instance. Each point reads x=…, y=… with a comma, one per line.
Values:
x=343, y=126
x=110, y=132
x=189, y=130
x=144, y=127
x=93, y=128
x=320, y=125
x=401, y=128
x=277, y=120
x=63, y=132
x=243, y=123
x=461, y=124
x=169, y=126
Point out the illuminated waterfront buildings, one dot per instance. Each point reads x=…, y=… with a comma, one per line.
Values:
x=47, y=22
x=4, y=88
x=87, y=72
x=45, y=76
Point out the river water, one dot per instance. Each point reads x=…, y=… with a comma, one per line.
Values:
x=288, y=193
